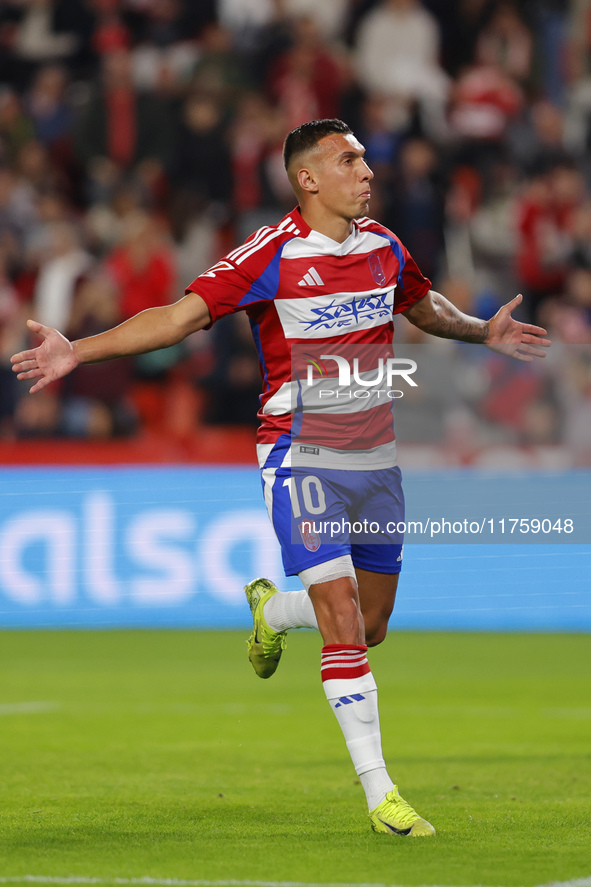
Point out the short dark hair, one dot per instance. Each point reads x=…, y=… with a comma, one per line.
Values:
x=307, y=136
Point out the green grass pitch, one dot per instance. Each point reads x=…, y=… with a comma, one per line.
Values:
x=160, y=754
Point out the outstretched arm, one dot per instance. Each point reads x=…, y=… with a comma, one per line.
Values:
x=437, y=315
x=147, y=331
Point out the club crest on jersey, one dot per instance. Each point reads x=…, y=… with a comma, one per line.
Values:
x=377, y=271
x=310, y=539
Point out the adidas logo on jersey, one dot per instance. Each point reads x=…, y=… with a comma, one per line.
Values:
x=311, y=278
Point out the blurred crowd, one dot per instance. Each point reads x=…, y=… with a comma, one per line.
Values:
x=140, y=140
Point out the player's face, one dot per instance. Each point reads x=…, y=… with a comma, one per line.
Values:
x=342, y=176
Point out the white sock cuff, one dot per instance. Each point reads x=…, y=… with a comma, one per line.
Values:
x=335, y=687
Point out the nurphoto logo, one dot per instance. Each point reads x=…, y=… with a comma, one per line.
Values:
x=395, y=366
x=380, y=378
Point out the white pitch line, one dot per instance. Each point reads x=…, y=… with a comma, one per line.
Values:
x=176, y=882
x=27, y=708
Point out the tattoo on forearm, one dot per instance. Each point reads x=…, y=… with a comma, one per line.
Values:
x=449, y=322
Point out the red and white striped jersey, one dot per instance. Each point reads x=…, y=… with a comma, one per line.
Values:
x=301, y=288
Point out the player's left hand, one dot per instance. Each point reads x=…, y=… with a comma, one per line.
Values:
x=508, y=336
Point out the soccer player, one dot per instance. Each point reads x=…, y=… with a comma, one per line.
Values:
x=324, y=280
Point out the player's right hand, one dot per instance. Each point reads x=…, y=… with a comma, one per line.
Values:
x=52, y=359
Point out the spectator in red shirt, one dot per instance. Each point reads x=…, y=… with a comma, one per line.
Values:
x=545, y=224
x=122, y=127
x=483, y=103
x=143, y=267
x=307, y=80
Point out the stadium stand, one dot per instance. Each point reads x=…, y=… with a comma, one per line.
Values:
x=140, y=141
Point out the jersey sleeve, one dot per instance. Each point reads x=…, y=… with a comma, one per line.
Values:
x=222, y=288
x=412, y=284
x=248, y=275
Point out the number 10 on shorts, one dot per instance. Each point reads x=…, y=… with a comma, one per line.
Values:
x=310, y=490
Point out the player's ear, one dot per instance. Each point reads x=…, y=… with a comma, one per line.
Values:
x=306, y=180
